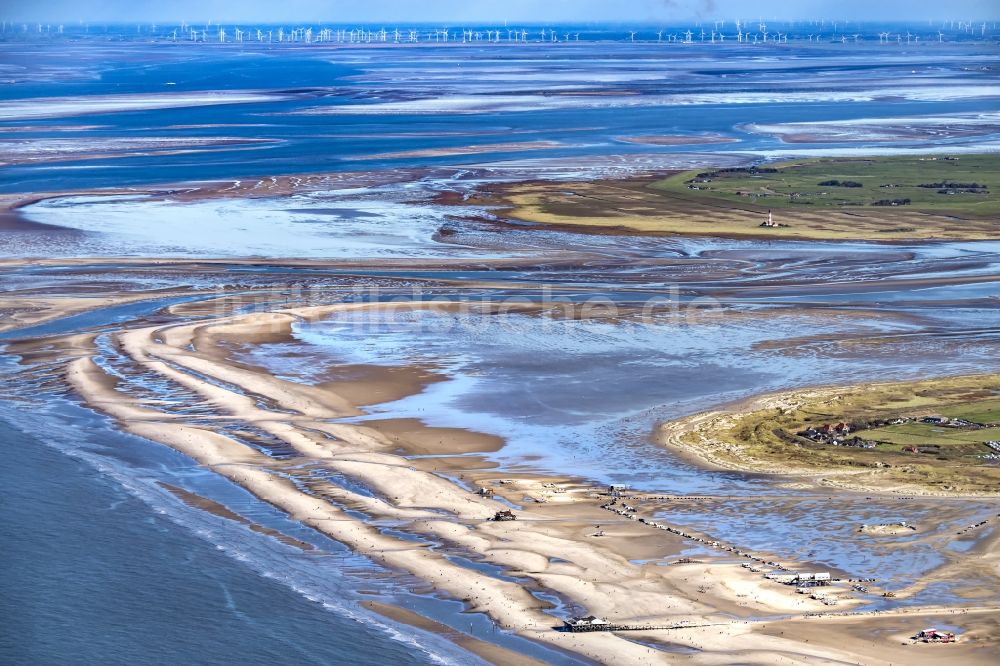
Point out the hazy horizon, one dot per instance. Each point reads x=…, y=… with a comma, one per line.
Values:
x=493, y=11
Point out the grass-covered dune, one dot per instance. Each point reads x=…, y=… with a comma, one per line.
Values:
x=766, y=435
x=881, y=198
x=967, y=185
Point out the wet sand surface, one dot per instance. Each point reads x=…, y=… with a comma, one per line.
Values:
x=369, y=400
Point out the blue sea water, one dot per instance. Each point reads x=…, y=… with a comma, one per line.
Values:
x=87, y=568
x=328, y=109
x=101, y=564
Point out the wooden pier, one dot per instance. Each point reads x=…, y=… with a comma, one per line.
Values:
x=609, y=626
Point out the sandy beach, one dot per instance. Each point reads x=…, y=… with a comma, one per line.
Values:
x=551, y=546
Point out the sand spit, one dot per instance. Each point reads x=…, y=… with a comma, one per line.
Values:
x=256, y=187
x=894, y=529
x=23, y=310
x=476, y=149
x=533, y=102
x=286, y=442
x=635, y=205
x=56, y=107
x=213, y=507
x=694, y=438
x=493, y=654
x=866, y=130
x=678, y=139
x=30, y=151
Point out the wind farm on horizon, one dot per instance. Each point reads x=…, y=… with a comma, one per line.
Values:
x=719, y=32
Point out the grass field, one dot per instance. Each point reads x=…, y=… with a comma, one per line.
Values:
x=805, y=209
x=862, y=182
x=920, y=434
x=984, y=411
x=768, y=438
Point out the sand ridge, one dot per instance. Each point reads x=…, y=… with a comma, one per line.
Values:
x=551, y=546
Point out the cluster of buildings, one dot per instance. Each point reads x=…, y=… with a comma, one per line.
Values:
x=944, y=421
x=836, y=435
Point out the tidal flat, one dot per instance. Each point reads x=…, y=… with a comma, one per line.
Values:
x=328, y=335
